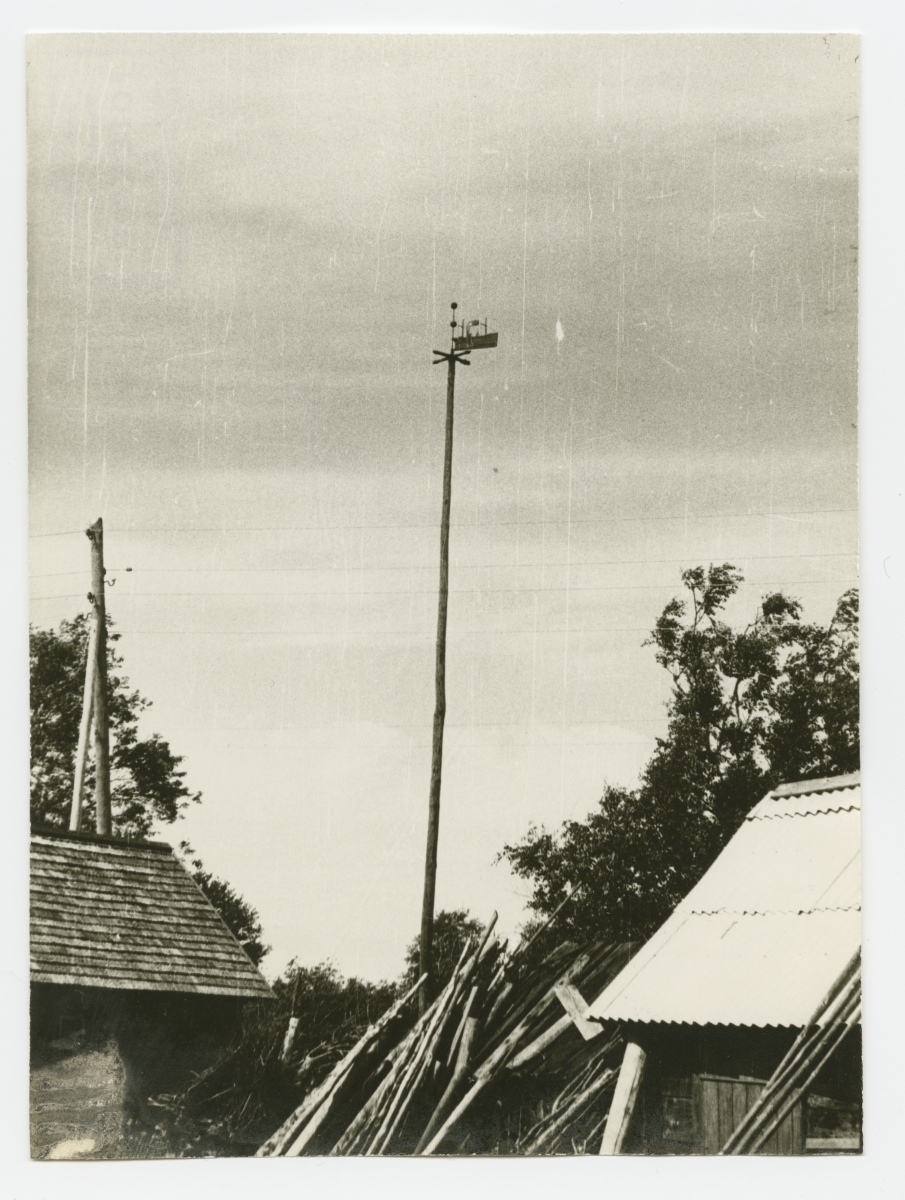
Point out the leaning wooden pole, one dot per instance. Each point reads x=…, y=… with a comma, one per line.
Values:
x=628, y=1085
x=433, y=814
x=101, y=731
x=81, y=754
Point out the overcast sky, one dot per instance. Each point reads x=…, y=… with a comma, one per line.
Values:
x=242, y=251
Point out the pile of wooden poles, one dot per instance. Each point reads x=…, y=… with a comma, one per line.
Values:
x=438, y=1086
x=836, y=1015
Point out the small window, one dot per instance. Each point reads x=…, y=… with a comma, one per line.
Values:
x=834, y=1126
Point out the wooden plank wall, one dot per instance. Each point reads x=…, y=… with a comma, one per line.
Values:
x=721, y=1102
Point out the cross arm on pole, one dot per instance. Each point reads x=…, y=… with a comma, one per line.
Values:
x=452, y=356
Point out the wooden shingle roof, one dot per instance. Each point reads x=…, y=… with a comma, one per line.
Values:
x=112, y=914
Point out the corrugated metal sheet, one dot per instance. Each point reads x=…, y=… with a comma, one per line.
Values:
x=782, y=867
x=769, y=927
x=120, y=915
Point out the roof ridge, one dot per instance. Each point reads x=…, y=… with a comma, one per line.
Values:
x=103, y=839
x=831, y=783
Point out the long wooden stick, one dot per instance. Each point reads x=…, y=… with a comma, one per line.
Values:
x=822, y=1012
x=433, y=813
x=459, y=1073
x=360, y=1132
x=542, y=996
x=795, y=1096
x=482, y=1077
x=774, y=1098
x=834, y=1009
x=565, y=1117
x=540, y=1044
x=522, y=947
x=466, y=1012
x=411, y=1081
x=103, y=811
x=279, y=1140
x=81, y=754
x=625, y=1097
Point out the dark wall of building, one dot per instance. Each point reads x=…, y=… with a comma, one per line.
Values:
x=98, y=1055
x=699, y=1081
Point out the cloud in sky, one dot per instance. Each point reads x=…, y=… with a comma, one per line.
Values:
x=242, y=250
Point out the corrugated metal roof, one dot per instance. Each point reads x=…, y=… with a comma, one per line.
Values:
x=783, y=867
x=768, y=928
x=128, y=915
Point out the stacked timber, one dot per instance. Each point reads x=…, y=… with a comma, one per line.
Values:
x=502, y=1061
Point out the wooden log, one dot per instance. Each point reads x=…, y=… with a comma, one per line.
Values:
x=594, y=1132
x=542, y=996
x=319, y=1117
x=375, y=1109
x=534, y=1049
x=572, y=1112
x=576, y=1006
x=289, y=1038
x=411, y=1078
x=483, y=1075
x=357, y=1134
x=456, y=994
x=815, y=1065
x=454, y=1044
x=628, y=1087
x=81, y=754
x=410, y=1081
x=504, y=993
x=277, y=1142
x=395, y=1062
x=351, y=1079
x=523, y=946
x=802, y=1050
x=585, y=1080
x=361, y=1130
x=778, y=1098
x=459, y=1073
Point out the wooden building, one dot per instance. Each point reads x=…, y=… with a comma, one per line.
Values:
x=711, y=1004
x=135, y=982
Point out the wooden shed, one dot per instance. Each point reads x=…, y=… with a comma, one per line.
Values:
x=712, y=1003
x=135, y=982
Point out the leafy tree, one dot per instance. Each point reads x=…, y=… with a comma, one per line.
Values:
x=238, y=915
x=774, y=702
x=146, y=784
x=145, y=781
x=451, y=931
x=332, y=1012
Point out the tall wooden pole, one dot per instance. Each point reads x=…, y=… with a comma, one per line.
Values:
x=433, y=815
x=95, y=533
x=81, y=754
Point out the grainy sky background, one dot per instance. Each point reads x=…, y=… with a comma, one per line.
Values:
x=242, y=251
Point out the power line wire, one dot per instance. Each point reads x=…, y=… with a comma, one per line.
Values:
x=527, y=591
x=355, y=594
x=605, y=562
x=376, y=633
x=458, y=524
